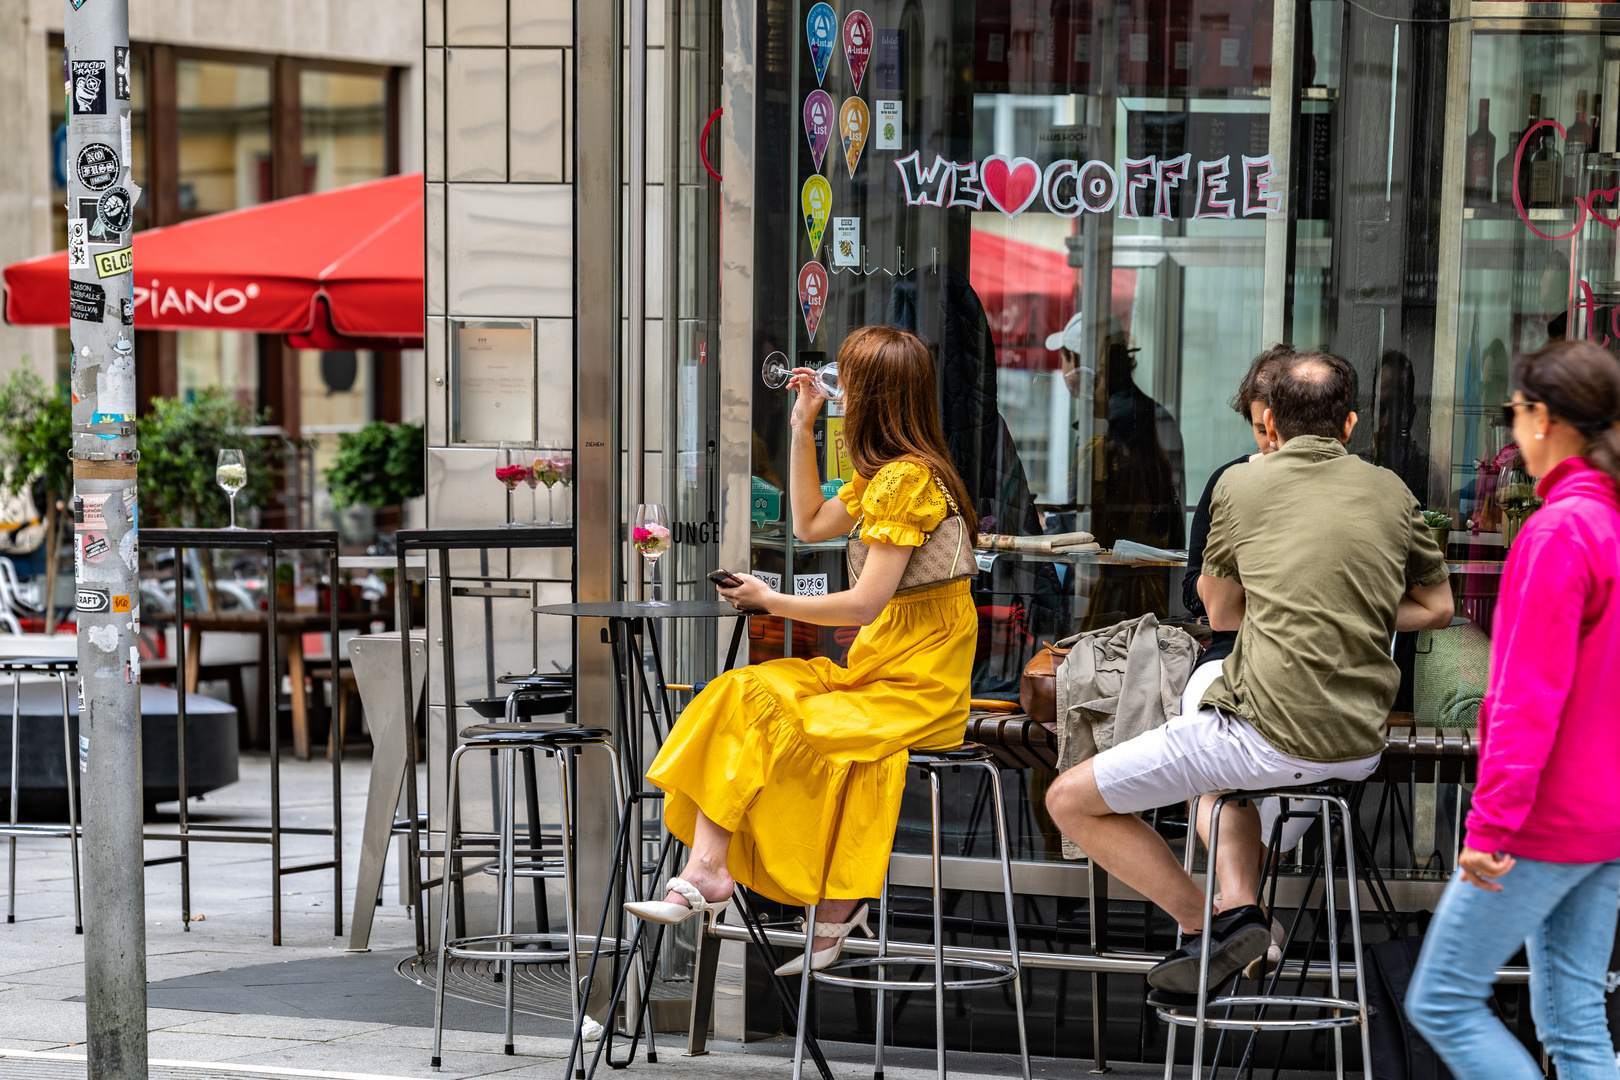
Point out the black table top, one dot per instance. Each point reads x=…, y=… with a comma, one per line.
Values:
x=543, y=536
x=276, y=539
x=625, y=609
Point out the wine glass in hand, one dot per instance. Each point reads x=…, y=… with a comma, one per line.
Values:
x=651, y=537
x=231, y=474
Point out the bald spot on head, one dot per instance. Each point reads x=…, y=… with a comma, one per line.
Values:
x=1313, y=394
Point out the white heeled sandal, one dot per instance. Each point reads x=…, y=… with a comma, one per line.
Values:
x=823, y=957
x=662, y=911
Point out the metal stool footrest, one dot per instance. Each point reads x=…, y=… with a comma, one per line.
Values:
x=1169, y=1014
x=536, y=868
x=1000, y=974
x=465, y=948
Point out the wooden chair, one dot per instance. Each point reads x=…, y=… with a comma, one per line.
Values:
x=346, y=688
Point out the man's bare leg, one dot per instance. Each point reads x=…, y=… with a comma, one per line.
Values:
x=1125, y=846
x=1242, y=850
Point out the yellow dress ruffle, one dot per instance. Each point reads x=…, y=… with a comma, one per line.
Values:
x=804, y=761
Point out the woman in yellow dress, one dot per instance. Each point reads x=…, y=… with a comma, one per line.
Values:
x=787, y=775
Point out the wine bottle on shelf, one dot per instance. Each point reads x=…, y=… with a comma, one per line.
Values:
x=1577, y=141
x=1596, y=119
x=1546, y=171
x=1521, y=180
x=1481, y=158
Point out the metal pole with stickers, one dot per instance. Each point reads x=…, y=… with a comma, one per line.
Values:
x=101, y=205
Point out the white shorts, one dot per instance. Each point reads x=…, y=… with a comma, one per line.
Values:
x=1202, y=752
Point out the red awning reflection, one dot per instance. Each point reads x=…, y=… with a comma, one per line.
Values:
x=1028, y=292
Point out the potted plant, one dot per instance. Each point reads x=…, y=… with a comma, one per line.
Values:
x=1439, y=523
x=382, y=464
x=180, y=441
x=36, y=432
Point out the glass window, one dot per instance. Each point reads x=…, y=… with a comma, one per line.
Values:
x=224, y=135
x=219, y=358
x=345, y=128
x=334, y=397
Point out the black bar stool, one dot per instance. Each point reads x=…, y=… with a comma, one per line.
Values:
x=930, y=763
x=505, y=947
x=1336, y=1012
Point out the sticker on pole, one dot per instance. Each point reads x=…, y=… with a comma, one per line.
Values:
x=857, y=44
x=87, y=301
x=854, y=121
x=78, y=237
x=821, y=27
x=89, y=88
x=97, y=166
x=116, y=210
x=94, y=600
x=113, y=263
x=818, y=122
x=121, y=72
x=93, y=546
x=812, y=295
x=816, y=200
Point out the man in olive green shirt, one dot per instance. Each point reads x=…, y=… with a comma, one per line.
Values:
x=1316, y=558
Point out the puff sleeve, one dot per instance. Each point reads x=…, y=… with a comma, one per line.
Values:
x=900, y=505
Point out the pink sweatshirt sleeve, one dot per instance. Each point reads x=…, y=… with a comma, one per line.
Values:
x=1532, y=669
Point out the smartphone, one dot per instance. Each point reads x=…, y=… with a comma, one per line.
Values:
x=725, y=578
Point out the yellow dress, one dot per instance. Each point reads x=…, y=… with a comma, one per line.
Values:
x=803, y=760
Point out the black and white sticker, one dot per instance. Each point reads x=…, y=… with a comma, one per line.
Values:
x=97, y=166
x=90, y=211
x=78, y=237
x=94, y=600
x=89, y=91
x=116, y=210
x=121, y=72
x=126, y=310
x=87, y=301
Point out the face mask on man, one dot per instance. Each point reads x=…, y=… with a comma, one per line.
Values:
x=1078, y=379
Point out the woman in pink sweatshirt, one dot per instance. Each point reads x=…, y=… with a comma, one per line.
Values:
x=1541, y=865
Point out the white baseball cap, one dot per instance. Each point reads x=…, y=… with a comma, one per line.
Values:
x=1069, y=337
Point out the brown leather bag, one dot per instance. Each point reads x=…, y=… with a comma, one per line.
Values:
x=945, y=555
x=1037, y=688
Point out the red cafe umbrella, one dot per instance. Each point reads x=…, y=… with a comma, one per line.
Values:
x=335, y=270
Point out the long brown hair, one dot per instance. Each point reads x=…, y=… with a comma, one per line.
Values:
x=891, y=409
x=1579, y=382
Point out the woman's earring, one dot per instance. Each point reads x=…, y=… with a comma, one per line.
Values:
x=1541, y=434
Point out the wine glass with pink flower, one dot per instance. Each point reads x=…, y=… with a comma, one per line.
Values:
x=511, y=469
x=651, y=537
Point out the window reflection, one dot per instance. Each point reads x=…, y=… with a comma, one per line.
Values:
x=344, y=126
x=224, y=118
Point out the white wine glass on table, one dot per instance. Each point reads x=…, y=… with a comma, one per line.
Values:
x=534, y=460
x=231, y=474
x=651, y=536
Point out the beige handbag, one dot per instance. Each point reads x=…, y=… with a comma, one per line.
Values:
x=944, y=556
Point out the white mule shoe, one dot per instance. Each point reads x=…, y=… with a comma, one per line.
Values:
x=661, y=911
x=823, y=957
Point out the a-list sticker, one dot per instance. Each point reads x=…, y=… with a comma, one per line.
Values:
x=816, y=201
x=818, y=124
x=854, y=123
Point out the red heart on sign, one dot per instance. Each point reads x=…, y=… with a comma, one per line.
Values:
x=1613, y=196
x=1010, y=184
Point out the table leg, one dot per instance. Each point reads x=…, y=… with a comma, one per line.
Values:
x=294, y=646
x=193, y=657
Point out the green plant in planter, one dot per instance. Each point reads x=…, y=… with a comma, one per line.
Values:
x=36, y=432
x=382, y=464
x=180, y=442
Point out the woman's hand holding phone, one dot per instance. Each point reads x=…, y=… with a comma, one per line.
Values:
x=747, y=594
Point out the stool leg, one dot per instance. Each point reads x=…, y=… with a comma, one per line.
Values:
x=882, y=995
x=1189, y=851
x=451, y=806
x=73, y=808
x=1203, y=955
x=1355, y=935
x=1012, y=920
x=807, y=978
x=16, y=749
x=508, y=882
x=934, y=810
x=1332, y=932
x=574, y=1001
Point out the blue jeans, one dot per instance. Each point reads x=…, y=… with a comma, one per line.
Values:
x=1564, y=915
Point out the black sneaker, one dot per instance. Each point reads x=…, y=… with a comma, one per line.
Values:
x=1239, y=936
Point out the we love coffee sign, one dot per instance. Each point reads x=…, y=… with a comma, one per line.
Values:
x=1137, y=188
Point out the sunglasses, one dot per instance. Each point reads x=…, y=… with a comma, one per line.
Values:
x=1509, y=406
